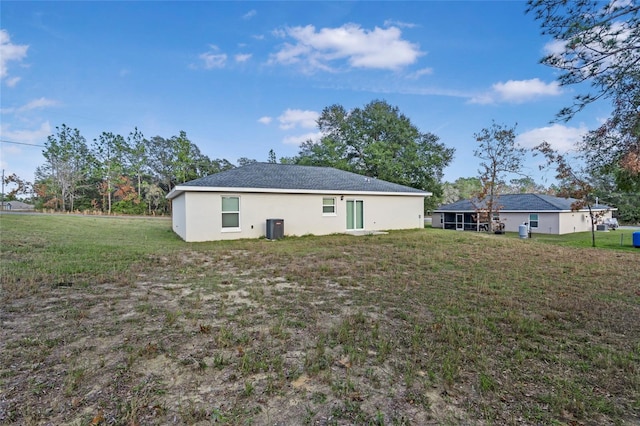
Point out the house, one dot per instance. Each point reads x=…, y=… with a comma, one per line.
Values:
x=238, y=203
x=543, y=214
x=16, y=206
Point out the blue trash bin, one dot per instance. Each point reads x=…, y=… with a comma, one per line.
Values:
x=636, y=239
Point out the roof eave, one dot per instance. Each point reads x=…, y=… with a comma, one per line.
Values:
x=186, y=188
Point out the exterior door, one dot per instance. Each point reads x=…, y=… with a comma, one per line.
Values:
x=355, y=214
x=459, y=222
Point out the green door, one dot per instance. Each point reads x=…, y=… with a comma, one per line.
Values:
x=355, y=214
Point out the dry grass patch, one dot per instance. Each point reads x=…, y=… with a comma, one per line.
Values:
x=419, y=327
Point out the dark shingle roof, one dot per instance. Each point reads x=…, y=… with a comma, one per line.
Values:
x=520, y=202
x=295, y=177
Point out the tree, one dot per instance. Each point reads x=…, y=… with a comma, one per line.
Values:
x=177, y=160
x=378, y=141
x=244, y=161
x=187, y=157
x=136, y=157
x=524, y=185
x=627, y=202
x=272, y=157
x=68, y=162
x=461, y=189
x=18, y=186
x=599, y=43
x=154, y=197
x=160, y=161
x=109, y=151
x=574, y=183
x=499, y=155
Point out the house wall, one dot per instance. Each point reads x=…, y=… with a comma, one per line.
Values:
x=178, y=216
x=197, y=216
x=579, y=221
x=557, y=223
x=547, y=222
x=437, y=220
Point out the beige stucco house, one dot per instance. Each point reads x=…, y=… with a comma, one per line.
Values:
x=244, y=201
x=543, y=214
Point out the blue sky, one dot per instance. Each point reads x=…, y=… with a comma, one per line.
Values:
x=241, y=78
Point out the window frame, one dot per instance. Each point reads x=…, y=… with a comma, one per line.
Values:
x=353, y=212
x=224, y=212
x=531, y=220
x=332, y=213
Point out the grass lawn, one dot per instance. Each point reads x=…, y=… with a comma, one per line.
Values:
x=117, y=321
x=619, y=240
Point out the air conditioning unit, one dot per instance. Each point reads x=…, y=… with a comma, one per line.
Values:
x=275, y=229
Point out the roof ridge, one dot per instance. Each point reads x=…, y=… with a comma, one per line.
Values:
x=545, y=200
x=550, y=199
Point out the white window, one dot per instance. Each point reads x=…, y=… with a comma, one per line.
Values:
x=533, y=220
x=230, y=213
x=329, y=206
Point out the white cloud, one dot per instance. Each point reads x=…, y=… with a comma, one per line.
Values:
x=10, y=52
x=12, y=81
x=561, y=138
x=250, y=14
x=38, y=103
x=36, y=136
x=522, y=90
x=212, y=59
x=518, y=91
x=297, y=140
x=379, y=48
x=265, y=120
x=554, y=47
x=292, y=118
x=242, y=57
x=400, y=24
x=35, y=104
x=482, y=99
x=419, y=73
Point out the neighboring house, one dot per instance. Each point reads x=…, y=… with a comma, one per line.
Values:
x=237, y=203
x=543, y=214
x=16, y=206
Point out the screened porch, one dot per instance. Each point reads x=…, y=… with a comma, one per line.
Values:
x=463, y=222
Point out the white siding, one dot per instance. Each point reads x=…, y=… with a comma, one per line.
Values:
x=579, y=221
x=179, y=216
x=547, y=222
x=437, y=220
x=197, y=215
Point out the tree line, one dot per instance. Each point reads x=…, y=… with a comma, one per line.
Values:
x=117, y=174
